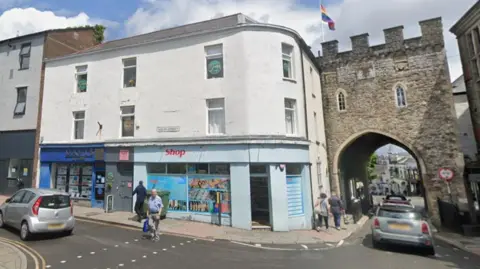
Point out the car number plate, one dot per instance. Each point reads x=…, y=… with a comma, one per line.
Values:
x=56, y=226
x=403, y=227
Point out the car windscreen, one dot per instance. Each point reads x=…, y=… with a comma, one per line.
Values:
x=55, y=201
x=399, y=214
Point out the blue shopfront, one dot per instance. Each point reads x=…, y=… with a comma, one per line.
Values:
x=78, y=169
x=253, y=186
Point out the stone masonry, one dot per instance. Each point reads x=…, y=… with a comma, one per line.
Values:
x=426, y=126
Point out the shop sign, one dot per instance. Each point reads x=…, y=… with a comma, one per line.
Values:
x=124, y=155
x=79, y=153
x=175, y=152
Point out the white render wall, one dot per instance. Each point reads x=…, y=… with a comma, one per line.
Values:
x=465, y=132
x=172, y=88
x=9, y=59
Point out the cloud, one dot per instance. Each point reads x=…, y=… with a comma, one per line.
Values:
x=29, y=20
x=351, y=16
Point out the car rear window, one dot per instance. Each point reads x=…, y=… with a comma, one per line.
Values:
x=395, y=198
x=55, y=201
x=397, y=214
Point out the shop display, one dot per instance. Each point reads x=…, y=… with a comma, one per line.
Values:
x=294, y=195
x=75, y=179
x=202, y=194
x=176, y=185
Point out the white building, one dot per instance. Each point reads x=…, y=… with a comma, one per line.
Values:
x=465, y=127
x=229, y=106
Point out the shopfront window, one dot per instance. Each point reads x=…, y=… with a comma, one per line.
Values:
x=76, y=179
x=192, y=187
x=19, y=168
x=294, y=189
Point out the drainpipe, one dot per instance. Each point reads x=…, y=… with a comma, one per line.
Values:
x=306, y=133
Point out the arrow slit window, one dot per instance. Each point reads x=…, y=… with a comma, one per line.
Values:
x=81, y=78
x=400, y=96
x=214, y=61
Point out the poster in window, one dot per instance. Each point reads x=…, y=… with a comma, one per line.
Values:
x=202, y=194
x=176, y=185
x=62, y=170
x=74, y=170
x=215, y=68
x=294, y=195
x=128, y=124
x=87, y=170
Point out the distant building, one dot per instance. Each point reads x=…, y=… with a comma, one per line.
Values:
x=466, y=135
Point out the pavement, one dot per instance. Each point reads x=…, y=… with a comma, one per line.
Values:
x=102, y=246
x=268, y=239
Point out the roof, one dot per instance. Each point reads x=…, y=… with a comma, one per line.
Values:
x=458, y=85
x=46, y=32
x=203, y=27
x=470, y=17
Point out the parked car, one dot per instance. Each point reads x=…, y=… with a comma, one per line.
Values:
x=396, y=199
x=401, y=225
x=35, y=211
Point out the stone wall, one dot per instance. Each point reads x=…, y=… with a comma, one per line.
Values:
x=369, y=75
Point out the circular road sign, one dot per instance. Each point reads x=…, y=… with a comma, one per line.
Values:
x=445, y=174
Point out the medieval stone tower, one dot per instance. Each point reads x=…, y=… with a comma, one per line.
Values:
x=399, y=93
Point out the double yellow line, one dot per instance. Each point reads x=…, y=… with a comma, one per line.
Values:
x=37, y=258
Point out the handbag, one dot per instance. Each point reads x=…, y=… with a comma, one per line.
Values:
x=145, y=226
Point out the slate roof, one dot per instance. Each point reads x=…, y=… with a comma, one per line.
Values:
x=459, y=85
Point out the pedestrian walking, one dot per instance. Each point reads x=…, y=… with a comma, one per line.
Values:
x=322, y=209
x=141, y=193
x=155, y=206
x=336, y=207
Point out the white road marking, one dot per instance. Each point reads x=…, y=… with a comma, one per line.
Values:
x=79, y=257
x=63, y=261
x=116, y=246
x=304, y=246
x=328, y=244
x=48, y=266
x=155, y=252
x=181, y=244
x=438, y=255
x=173, y=246
x=133, y=261
x=164, y=249
x=92, y=252
x=144, y=256
x=105, y=249
x=188, y=241
x=340, y=243
x=466, y=258
x=126, y=243
x=121, y=265
x=258, y=245
x=316, y=249
x=195, y=239
x=446, y=255
x=136, y=240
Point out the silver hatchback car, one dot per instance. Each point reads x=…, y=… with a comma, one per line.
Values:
x=402, y=225
x=38, y=211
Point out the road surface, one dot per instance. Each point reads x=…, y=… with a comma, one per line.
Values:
x=98, y=246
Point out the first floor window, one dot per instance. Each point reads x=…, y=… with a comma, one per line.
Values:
x=400, y=95
x=290, y=116
x=216, y=115
x=21, y=101
x=128, y=121
x=78, y=124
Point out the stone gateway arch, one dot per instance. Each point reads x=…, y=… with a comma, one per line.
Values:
x=394, y=93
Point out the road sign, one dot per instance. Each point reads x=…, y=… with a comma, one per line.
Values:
x=445, y=174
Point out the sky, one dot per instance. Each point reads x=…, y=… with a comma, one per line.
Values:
x=130, y=17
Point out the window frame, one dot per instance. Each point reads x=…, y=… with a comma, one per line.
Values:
x=124, y=115
x=81, y=73
x=22, y=56
x=294, y=115
x=290, y=58
x=75, y=121
x=223, y=130
x=18, y=102
x=214, y=56
x=124, y=68
x=395, y=92
x=341, y=98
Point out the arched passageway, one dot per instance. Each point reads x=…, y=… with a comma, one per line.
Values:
x=356, y=182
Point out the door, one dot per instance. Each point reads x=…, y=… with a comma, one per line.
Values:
x=25, y=175
x=45, y=171
x=3, y=176
x=123, y=187
x=13, y=211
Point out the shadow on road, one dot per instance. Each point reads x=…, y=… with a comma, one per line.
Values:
x=367, y=242
x=35, y=237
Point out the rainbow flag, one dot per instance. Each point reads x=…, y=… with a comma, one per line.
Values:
x=326, y=19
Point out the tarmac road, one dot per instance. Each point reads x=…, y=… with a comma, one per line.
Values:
x=100, y=246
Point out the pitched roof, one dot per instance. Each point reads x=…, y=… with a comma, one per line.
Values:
x=12, y=39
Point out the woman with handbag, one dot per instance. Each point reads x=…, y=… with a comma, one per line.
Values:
x=322, y=209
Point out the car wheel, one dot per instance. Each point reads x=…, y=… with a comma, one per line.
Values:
x=69, y=232
x=429, y=252
x=25, y=231
x=1, y=220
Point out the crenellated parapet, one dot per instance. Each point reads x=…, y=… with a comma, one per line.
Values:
x=432, y=36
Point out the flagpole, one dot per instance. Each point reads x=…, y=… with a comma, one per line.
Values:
x=321, y=17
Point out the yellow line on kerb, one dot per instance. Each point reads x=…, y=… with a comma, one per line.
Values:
x=30, y=251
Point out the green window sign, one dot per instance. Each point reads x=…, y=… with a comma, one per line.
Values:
x=82, y=85
x=215, y=68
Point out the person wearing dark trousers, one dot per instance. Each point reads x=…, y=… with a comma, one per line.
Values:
x=336, y=207
x=322, y=209
x=141, y=193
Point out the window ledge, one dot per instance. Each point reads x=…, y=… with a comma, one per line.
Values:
x=342, y=111
x=222, y=134
x=19, y=114
x=21, y=69
x=289, y=80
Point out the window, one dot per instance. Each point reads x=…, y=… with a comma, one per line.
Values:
x=78, y=124
x=156, y=168
x=216, y=116
x=28, y=197
x=475, y=68
x=128, y=121
x=129, y=72
x=214, y=61
x=17, y=197
x=341, y=101
x=401, y=98
x=21, y=105
x=176, y=168
x=25, y=56
x=81, y=76
x=290, y=116
x=287, y=58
